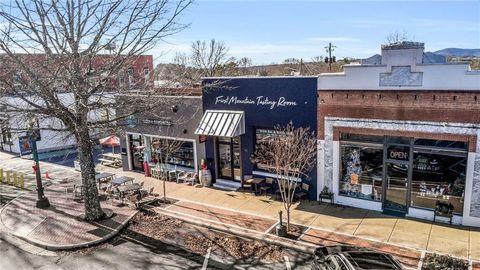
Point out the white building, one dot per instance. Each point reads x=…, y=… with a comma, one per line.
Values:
x=400, y=133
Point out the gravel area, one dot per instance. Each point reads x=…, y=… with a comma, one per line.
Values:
x=198, y=239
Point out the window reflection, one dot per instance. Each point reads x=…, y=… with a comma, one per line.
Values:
x=362, y=168
x=438, y=177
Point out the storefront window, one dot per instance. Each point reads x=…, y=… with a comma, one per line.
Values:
x=361, y=173
x=179, y=152
x=261, y=137
x=438, y=175
x=438, y=170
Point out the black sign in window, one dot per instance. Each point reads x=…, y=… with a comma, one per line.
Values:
x=395, y=152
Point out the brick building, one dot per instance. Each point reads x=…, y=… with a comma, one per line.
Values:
x=400, y=133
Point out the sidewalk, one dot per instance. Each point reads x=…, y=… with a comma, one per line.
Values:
x=368, y=225
x=56, y=227
x=335, y=221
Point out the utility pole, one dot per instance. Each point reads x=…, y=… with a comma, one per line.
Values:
x=301, y=66
x=330, y=59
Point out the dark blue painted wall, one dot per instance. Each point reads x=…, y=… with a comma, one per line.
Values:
x=289, y=99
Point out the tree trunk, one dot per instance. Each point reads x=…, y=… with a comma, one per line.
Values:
x=93, y=211
x=288, y=218
x=164, y=191
x=165, y=179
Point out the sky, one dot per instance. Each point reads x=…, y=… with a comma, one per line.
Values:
x=272, y=31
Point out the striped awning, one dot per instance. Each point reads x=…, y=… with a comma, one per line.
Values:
x=222, y=123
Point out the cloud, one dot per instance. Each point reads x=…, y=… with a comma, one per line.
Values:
x=334, y=39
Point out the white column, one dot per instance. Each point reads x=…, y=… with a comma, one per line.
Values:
x=320, y=165
x=467, y=202
x=148, y=149
x=336, y=168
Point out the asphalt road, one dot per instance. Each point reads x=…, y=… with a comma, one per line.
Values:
x=121, y=253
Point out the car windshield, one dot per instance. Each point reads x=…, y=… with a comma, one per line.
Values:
x=371, y=260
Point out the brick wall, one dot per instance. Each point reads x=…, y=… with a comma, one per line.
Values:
x=436, y=106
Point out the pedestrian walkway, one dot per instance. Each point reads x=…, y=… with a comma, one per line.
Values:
x=420, y=235
x=58, y=226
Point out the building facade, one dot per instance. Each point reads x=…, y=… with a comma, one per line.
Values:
x=400, y=133
x=138, y=74
x=239, y=112
x=146, y=137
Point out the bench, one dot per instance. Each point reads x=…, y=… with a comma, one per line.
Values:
x=326, y=196
x=109, y=162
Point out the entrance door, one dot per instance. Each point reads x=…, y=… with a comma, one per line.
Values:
x=397, y=174
x=136, y=152
x=228, y=158
x=396, y=181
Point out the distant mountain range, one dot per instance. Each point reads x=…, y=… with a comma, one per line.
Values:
x=459, y=52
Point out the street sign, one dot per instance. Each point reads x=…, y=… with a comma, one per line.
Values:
x=25, y=145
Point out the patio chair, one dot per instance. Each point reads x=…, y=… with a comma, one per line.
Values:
x=302, y=192
x=155, y=172
x=132, y=201
x=183, y=176
x=246, y=184
x=268, y=185
x=172, y=173
x=115, y=195
x=150, y=193
x=70, y=190
x=191, y=178
x=143, y=192
x=77, y=192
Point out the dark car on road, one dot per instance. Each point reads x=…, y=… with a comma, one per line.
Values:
x=353, y=258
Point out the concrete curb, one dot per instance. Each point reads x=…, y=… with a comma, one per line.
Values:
x=296, y=245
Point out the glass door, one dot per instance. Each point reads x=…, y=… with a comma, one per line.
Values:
x=136, y=152
x=236, y=161
x=228, y=158
x=396, y=189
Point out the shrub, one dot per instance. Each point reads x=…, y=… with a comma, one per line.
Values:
x=443, y=262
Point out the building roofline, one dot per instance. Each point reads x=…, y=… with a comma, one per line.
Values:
x=257, y=77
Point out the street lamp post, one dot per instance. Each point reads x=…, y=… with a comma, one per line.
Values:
x=34, y=136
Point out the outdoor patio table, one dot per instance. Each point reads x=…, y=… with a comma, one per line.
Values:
x=255, y=181
x=128, y=188
x=122, y=180
x=104, y=177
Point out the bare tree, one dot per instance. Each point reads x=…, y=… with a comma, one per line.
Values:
x=209, y=57
x=166, y=148
x=204, y=60
x=397, y=37
x=56, y=51
x=290, y=154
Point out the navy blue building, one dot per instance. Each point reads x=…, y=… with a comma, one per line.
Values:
x=238, y=111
